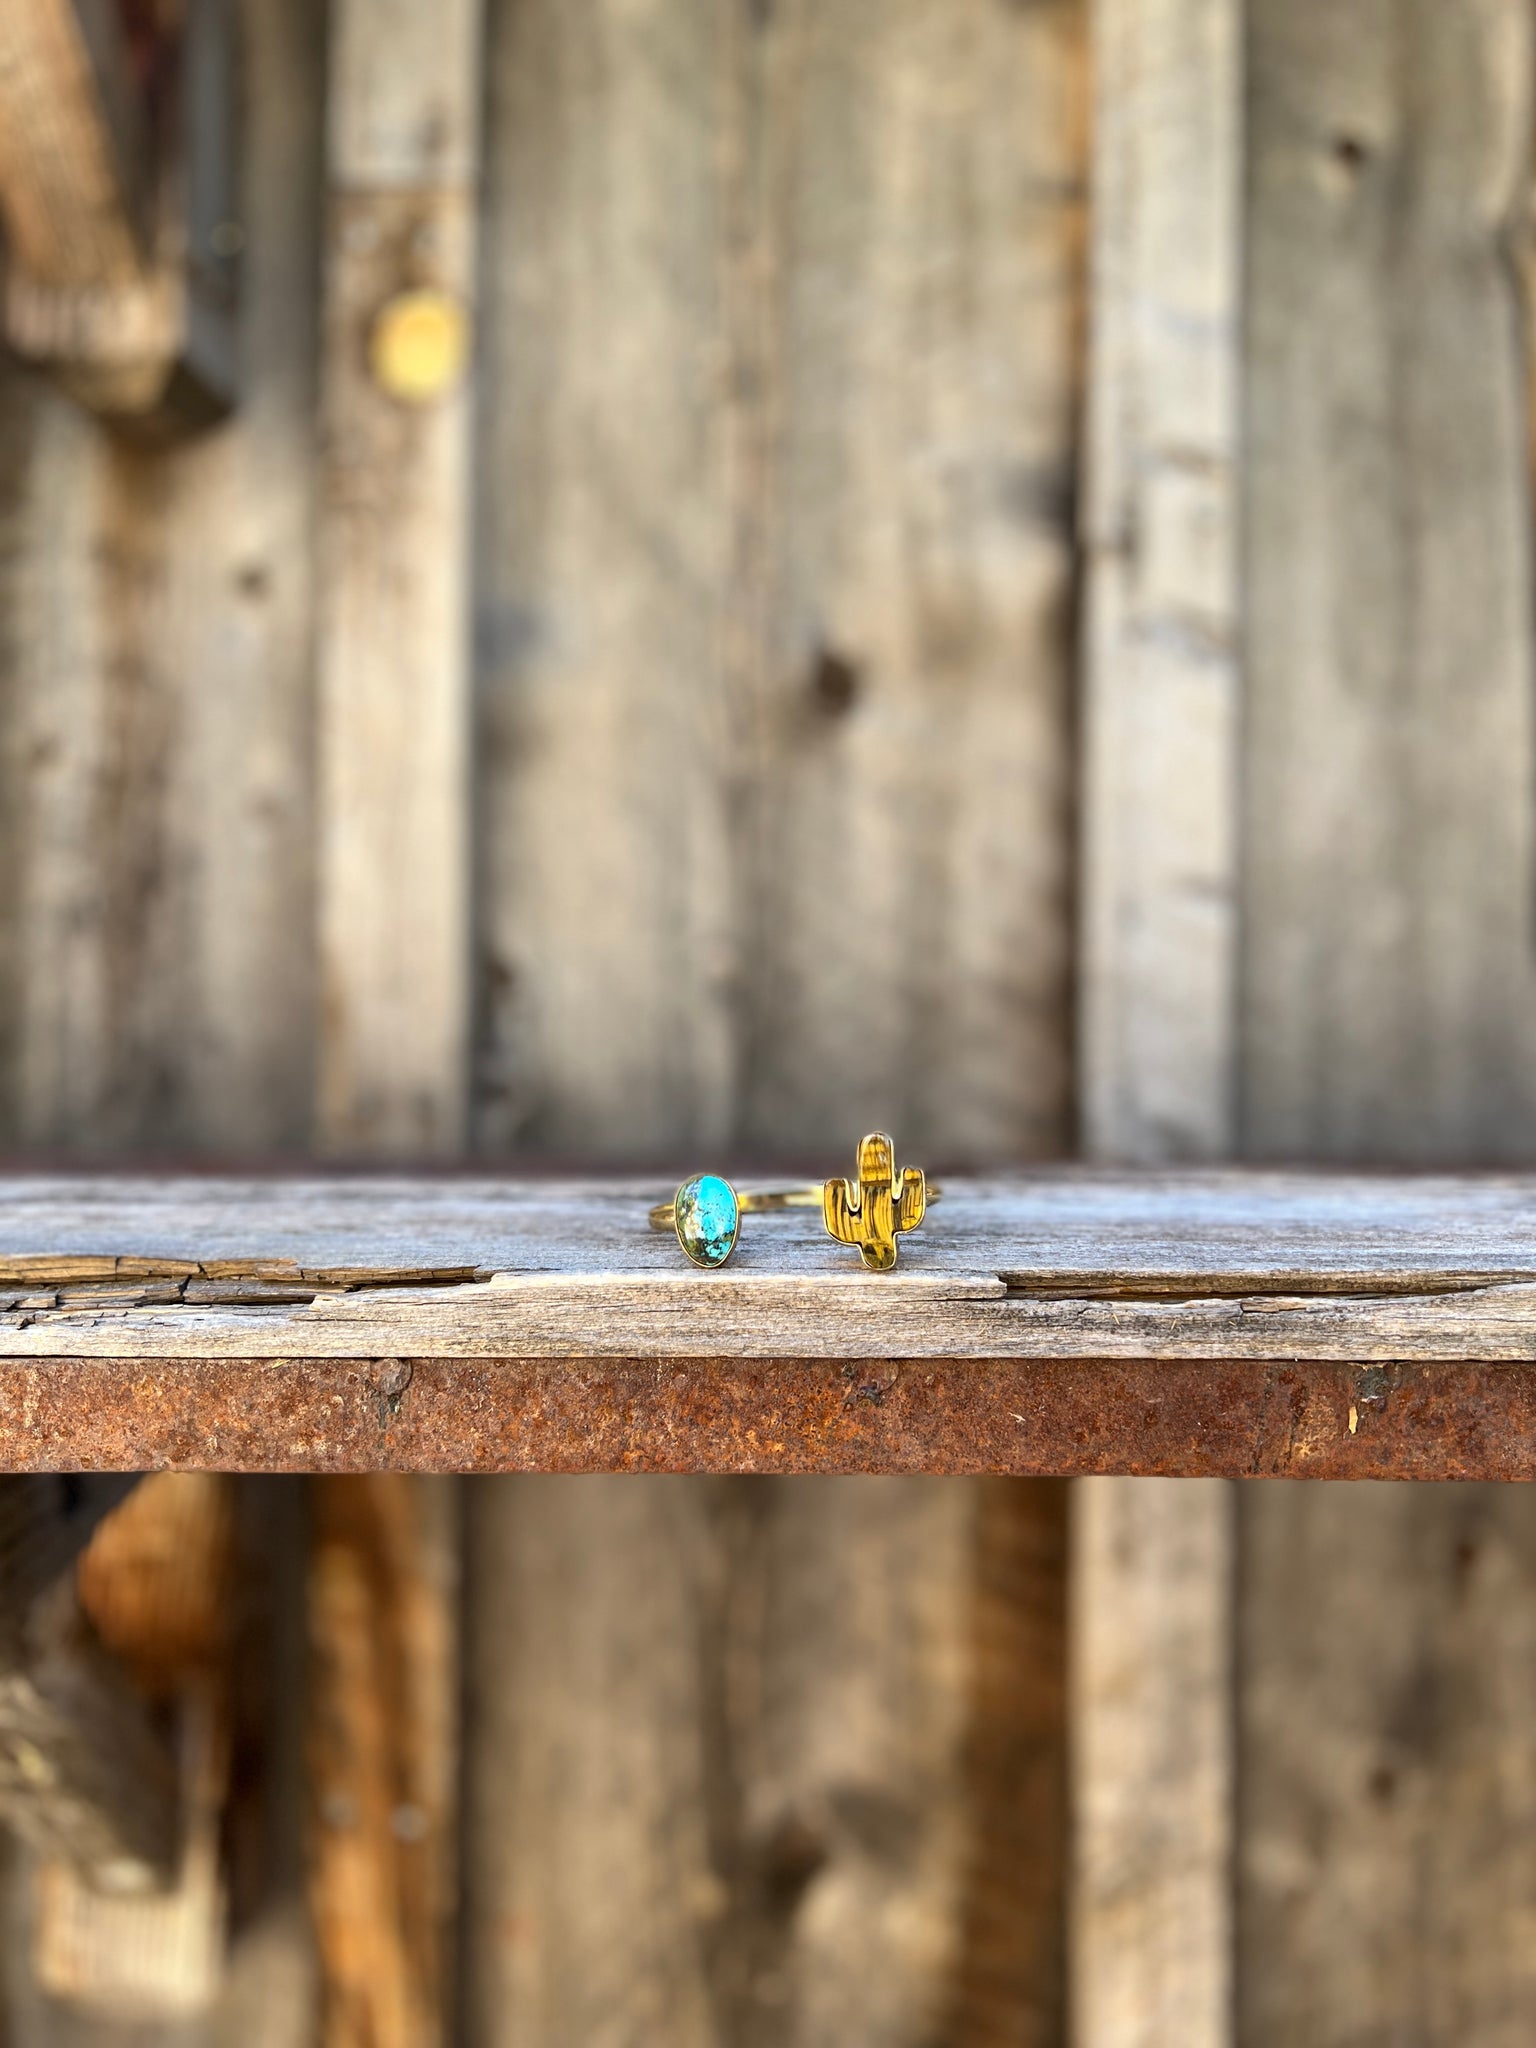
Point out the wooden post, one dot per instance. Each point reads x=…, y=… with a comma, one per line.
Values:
x=1152, y=1561
x=383, y=1754
x=119, y=206
x=394, y=625
x=73, y=151
x=157, y=1585
x=83, y=1775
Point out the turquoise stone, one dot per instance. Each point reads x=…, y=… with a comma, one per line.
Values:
x=707, y=1217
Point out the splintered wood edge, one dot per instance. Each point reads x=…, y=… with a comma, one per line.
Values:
x=1208, y=1265
x=552, y=1316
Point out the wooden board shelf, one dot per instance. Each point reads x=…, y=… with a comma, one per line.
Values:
x=1222, y=1322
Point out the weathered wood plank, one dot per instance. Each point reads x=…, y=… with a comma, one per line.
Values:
x=776, y=573
x=393, y=854
x=1064, y=1264
x=606, y=948
x=84, y=1775
x=1217, y=1231
x=1399, y=1625
x=1157, y=971
x=154, y=753
x=74, y=163
x=117, y=145
x=383, y=1716
x=1389, y=1003
x=1158, y=964
x=736, y=1723
x=905, y=302
x=157, y=1587
x=1152, y=1895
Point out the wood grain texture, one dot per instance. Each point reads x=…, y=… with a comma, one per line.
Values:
x=605, y=938
x=66, y=1786
x=906, y=299
x=156, y=1586
x=267, y=1998
x=154, y=752
x=73, y=180
x=1157, y=967
x=1389, y=1004
x=383, y=1718
x=1214, y=1265
x=1388, y=1011
x=116, y=181
x=1388, y=1798
x=776, y=574
x=1151, y=1691
x=84, y=1774
x=393, y=849
x=1159, y=841
x=744, y=1811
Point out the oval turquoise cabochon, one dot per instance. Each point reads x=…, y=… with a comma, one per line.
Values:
x=707, y=1218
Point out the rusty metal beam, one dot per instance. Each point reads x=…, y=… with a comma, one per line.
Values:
x=1225, y=1418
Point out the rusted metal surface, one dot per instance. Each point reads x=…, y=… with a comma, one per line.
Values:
x=1310, y=1420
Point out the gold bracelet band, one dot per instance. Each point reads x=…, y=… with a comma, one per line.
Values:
x=752, y=1202
x=757, y=1201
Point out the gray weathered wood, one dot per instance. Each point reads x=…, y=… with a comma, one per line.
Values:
x=605, y=942
x=1389, y=1003
x=1157, y=1036
x=739, y=1725
x=1151, y=1659
x=155, y=970
x=1158, y=930
x=776, y=573
x=1062, y=1264
x=1389, y=1802
x=393, y=852
x=905, y=198
x=1390, y=982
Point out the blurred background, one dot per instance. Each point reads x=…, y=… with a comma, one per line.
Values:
x=661, y=583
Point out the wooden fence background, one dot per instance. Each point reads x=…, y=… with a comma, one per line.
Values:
x=981, y=582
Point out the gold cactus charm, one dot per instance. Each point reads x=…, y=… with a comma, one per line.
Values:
x=871, y=1214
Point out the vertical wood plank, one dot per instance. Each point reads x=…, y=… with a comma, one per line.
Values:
x=1390, y=979
x=606, y=937
x=393, y=835
x=383, y=1755
x=1159, y=843
x=155, y=739
x=1151, y=1701
x=724, y=1784
x=1389, y=1808
x=72, y=180
x=777, y=574
x=1389, y=1008
x=1152, y=1561
x=587, y=1854
x=906, y=298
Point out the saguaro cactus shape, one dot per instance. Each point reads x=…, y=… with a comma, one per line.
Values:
x=870, y=1214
